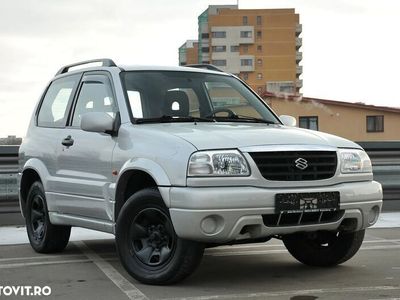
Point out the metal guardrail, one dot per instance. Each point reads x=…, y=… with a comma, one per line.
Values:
x=8, y=179
x=385, y=158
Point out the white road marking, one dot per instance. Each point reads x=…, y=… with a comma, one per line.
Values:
x=263, y=252
x=293, y=293
x=131, y=291
x=41, y=263
x=395, y=241
x=16, y=235
x=249, y=252
x=262, y=247
x=385, y=299
x=245, y=246
x=388, y=220
x=383, y=247
x=46, y=257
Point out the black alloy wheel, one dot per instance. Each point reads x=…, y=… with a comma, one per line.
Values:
x=152, y=237
x=147, y=244
x=44, y=237
x=38, y=218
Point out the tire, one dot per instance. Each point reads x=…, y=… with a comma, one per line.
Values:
x=43, y=236
x=324, y=248
x=147, y=244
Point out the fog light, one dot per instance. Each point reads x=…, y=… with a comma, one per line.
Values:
x=212, y=224
x=373, y=215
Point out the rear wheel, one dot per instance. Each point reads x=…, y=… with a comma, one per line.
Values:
x=43, y=236
x=147, y=243
x=324, y=248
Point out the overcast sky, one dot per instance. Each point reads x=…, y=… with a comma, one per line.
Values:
x=351, y=49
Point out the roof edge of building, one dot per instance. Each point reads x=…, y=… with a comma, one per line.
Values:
x=297, y=98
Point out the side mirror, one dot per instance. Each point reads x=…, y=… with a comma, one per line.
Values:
x=97, y=122
x=288, y=120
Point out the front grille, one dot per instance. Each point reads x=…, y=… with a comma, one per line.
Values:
x=281, y=166
x=305, y=218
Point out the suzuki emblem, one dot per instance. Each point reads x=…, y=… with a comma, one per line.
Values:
x=301, y=163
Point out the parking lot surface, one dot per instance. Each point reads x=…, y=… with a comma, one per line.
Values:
x=90, y=269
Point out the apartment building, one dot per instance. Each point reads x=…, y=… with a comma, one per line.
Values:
x=262, y=46
x=188, y=53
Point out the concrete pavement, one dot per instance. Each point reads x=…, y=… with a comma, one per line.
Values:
x=89, y=269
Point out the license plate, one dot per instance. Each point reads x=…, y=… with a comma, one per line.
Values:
x=307, y=202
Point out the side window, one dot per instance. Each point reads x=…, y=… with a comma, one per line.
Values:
x=53, y=111
x=94, y=96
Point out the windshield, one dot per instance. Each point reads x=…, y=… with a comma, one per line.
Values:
x=170, y=96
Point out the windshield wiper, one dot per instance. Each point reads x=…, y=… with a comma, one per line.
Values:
x=170, y=119
x=241, y=118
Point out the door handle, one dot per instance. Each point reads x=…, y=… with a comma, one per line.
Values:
x=68, y=141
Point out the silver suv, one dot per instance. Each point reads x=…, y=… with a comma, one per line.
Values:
x=175, y=159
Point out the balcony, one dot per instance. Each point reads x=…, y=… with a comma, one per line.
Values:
x=299, y=56
x=299, y=42
x=299, y=70
x=299, y=29
x=299, y=83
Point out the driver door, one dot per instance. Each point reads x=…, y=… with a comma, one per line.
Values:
x=84, y=158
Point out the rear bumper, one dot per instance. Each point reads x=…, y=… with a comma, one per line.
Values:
x=223, y=214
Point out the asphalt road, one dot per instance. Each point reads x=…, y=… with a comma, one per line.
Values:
x=91, y=270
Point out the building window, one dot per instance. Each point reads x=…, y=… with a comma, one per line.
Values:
x=245, y=20
x=205, y=62
x=259, y=48
x=205, y=35
x=219, y=48
x=234, y=48
x=375, y=124
x=280, y=87
x=219, y=62
x=245, y=34
x=245, y=76
x=259, y=76
x=309, y=122
x=259, y=61
x=259, y=34
x=246, y=62
x=245, y=48
x=259, y=20
x=218, y=34
x=205, y=49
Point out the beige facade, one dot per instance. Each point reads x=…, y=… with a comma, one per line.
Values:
x=262, y=46
x=354, y=121
x=188, y=53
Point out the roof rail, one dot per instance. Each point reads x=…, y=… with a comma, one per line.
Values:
x=205, y=66
x=106, y=62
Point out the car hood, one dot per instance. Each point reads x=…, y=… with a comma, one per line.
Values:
x=239, y=135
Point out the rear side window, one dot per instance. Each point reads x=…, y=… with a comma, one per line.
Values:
x=53, y=111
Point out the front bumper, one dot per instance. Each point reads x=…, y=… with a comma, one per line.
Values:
x=223, y=214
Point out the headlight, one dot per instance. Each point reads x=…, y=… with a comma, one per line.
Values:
x=218, y=163
x=354, y=161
